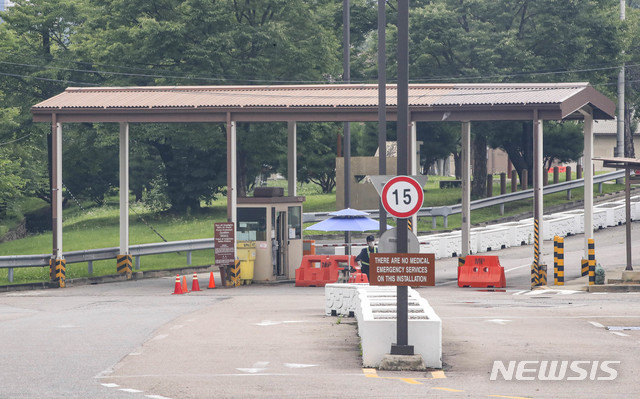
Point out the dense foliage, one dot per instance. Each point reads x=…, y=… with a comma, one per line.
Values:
x=48, y=45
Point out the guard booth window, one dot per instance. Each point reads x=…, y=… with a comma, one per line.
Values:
x=295, y=222
x=252, y=224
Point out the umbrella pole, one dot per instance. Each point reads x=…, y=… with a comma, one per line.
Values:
x=347, y=240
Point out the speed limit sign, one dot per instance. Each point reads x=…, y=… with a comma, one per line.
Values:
x=402, y=197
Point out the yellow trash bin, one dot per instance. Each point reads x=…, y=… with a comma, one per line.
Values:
x=246, y=252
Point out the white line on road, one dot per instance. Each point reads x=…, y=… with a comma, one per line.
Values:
x=156, y=397
x=110, y=385
x=619, y=333
x=595, y=323
x=130, y=390
x=499, y=321
x=159, y=337
x=299, y=366
x=516, y=268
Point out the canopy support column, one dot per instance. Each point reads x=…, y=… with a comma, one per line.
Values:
x=124, y=258
x=466, y=188
x=588, y=181
x=538, y=197
x=292, y=166
x=58, y=266
x=232, y=180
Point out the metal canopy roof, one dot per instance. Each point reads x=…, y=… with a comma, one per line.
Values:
x=341, y=103
x=619, y=163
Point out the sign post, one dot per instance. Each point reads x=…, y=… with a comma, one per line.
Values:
x=224, y=242
x=402, y=197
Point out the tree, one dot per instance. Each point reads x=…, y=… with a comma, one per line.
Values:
x=439, y=140
x=203, y=42
x=317, y=148
x=503, y=41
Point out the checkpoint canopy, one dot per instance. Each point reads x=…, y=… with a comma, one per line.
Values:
x=464, y=103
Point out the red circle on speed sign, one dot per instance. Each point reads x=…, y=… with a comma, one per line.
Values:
x=402, y=196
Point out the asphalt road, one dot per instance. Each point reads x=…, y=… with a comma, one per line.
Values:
x=135, y=340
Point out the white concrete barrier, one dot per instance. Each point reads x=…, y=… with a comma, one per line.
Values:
x=376, y=314
x=339, y=299
x=492, y=239
x=558, y=225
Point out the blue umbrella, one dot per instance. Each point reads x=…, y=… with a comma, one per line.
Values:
x=347, y=220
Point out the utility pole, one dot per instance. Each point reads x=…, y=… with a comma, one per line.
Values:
x=402, y=347
x=382, y=103
x=619, y=150
x=346, y=77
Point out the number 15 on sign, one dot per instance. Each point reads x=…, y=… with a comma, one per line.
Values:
x=402, y=196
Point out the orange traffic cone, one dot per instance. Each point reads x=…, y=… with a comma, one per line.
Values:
x=212, y=281
x=178, y=289
x=195, y=285
x=184, y=285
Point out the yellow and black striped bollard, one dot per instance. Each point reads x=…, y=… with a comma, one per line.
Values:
x=535, y=277
x=235, y=274
x=58, y=272
x=558, y=257
x=592, y=261
x=124, y=265
x=584, y=267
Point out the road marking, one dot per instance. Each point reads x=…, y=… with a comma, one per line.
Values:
x=299, y=366
x=619, y=333
x=159, y=337
x=264, y=323
x=519, y=292
x=130, y=390
x=438, y=374
x=516, y=268
x=509, y=397
x=257, y=368
x=110, y=385
x=499, y=321
x=372, y=373
x=447, y=389
x=156, y=397
x=596, y=324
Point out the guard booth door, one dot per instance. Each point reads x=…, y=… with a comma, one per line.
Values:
x=281, y=243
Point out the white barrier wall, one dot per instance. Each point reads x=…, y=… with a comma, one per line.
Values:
x=376, y=315
x=512, y=234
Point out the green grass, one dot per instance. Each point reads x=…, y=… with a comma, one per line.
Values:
x=98, y=227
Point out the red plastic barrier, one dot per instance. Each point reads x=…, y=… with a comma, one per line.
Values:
x=319, y=270
x=481, y=272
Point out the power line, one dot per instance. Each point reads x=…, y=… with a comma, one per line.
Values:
x=16, y=140
x=253, y=80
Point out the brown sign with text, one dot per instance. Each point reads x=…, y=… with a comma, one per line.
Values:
x=224, y=241
x=415, y=270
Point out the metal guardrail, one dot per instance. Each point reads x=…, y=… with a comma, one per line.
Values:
x=486, y=202
x=90, y=255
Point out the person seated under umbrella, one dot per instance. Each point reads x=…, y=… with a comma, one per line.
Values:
x=363, y=257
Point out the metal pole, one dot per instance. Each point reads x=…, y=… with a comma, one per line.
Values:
x=382, y=103
x=466, y=188
x=619, y=150
x=124, y=188
x=56, y=195
x=588, y=181
x=401, y=347
x=537, y=187
x=346, y=77
x=292, y=166
x=627, y=191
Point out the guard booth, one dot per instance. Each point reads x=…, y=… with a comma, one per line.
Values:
x=274, y=222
